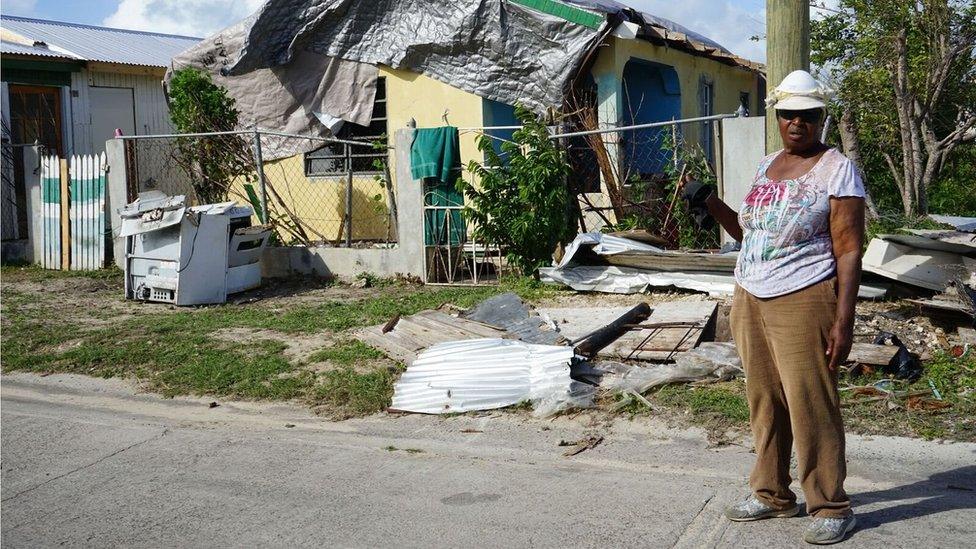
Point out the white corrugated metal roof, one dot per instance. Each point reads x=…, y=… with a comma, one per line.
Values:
x=23, y=49
x=98, y=43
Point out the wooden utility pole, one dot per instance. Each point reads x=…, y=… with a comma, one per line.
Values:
x=787, y=50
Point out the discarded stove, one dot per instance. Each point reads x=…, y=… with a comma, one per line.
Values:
x=189, y=255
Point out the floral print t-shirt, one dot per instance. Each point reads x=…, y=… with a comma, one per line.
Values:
x=786, y=242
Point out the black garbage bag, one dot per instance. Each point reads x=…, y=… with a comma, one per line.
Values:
x=904, y=365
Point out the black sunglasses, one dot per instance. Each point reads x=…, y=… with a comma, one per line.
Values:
x=809, y=116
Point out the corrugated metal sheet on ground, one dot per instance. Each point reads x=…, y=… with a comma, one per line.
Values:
x=101, y=43
x=508, y=312
x=482, y=374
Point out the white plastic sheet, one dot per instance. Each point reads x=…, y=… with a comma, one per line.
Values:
x=709, y=360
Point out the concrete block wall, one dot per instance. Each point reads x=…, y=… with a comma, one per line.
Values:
x=406, y=258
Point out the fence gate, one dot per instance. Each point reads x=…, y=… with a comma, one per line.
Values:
x=73, y=217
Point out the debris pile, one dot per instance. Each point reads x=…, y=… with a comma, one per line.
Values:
x=596, y=262
x=926, y=259
x=503, y=351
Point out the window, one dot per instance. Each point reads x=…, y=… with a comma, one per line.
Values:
x=35, y=114
x=330, y=159
x=706, y=98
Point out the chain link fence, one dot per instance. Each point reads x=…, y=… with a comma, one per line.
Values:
x=626, y=179
x=313, y=191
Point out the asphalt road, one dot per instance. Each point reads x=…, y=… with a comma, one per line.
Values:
x=92, y=463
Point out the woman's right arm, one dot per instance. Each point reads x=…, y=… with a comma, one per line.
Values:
x=726, y=216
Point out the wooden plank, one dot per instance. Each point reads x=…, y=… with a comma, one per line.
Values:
x=75, y=198
x=662, y=343
x=415, y=333
x=102, y=191
x=875, y=355
x=65, y=218
x=722, y=263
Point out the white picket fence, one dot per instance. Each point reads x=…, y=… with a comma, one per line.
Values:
x=85, y=225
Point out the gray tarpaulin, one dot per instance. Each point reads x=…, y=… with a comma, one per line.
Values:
x=300, y=66
x=491, y=48
x=294, y=98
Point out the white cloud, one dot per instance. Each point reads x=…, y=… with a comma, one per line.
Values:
x=187, y=17
x=730, y=24
x=19, y=7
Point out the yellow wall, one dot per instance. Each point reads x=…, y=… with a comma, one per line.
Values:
x=728, y=81
x=411, y=95
x=320, y=201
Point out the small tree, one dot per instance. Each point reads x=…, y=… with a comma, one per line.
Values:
x=907, y=85
x=522, y=203
x=197, y=105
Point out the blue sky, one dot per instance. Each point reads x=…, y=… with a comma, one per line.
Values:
x=729, y=22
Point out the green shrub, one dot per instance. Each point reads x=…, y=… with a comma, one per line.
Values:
x=522, y=202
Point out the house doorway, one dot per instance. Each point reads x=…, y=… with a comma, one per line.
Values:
x=652, y=93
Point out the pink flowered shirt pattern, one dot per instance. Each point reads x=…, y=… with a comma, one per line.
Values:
x=786, y=242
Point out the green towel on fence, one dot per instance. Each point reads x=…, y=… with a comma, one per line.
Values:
x=435, y=153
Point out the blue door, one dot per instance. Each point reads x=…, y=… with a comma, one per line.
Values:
x=651, y=94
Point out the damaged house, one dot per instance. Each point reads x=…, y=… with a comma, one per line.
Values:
x=362, y=71
x=365, y=73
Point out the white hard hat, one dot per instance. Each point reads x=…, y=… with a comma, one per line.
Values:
x=799, y=91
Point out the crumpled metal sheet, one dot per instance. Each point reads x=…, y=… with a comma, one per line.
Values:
x=494, y=49
x=602, y=244
x=625, y=280
x=292, y=99
x=483, y=374
x=508, y=312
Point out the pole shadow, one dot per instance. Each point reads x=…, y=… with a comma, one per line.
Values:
x=947, y=491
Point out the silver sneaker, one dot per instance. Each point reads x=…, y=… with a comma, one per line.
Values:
x=824, y=531
x=752, y=508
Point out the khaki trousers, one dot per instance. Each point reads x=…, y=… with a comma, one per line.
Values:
x=792, y=396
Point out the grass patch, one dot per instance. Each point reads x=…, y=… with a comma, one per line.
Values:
x=34, y=273
x=347, y=353
x=719, y=401
x=350, y=393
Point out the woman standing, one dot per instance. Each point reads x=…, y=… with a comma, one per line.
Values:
x=801, y=227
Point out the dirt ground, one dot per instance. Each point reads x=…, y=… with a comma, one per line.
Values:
x=292, y=340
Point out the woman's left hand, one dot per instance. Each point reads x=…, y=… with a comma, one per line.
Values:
x=839, y=343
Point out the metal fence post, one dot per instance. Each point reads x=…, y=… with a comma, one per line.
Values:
x=259, y=167
x=348, y=219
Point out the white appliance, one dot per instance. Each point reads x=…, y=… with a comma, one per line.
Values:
x=189, y=255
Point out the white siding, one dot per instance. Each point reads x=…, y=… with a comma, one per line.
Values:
x=151, y=113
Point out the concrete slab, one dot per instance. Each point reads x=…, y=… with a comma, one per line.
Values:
x=183, y=474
